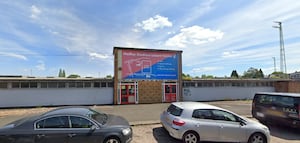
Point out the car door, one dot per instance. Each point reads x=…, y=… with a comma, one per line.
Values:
x=52, y=130
x=230, y=128
x=83, y=131
x=204, y=124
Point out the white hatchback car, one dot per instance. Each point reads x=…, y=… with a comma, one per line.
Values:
x=194, y=121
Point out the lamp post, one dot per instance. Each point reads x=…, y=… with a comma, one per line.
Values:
x=281, y=44
x=274, y=59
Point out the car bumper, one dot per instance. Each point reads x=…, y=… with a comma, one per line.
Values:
x=173, y=132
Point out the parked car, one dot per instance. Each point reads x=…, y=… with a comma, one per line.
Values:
x=194, y=121
x=68, y=124
x=283, y=108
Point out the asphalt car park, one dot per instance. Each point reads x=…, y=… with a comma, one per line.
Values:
x=144, y=119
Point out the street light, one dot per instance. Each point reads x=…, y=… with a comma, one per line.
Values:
x=274, y=59
x=281, y=44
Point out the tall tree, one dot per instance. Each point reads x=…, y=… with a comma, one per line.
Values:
x=60, y=73
x=63, y=73
x=253, y=73
x=234, y=74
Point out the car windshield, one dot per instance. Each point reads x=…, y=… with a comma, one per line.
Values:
x=100, y=117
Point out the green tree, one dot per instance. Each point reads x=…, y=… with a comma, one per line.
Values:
x=109, y=77
x=74, y=76
x=186, y=77
x=63, y=73
x=234, y=74
x=253, y=73
x=207, y=76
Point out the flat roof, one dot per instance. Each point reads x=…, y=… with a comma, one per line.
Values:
x=144, y=49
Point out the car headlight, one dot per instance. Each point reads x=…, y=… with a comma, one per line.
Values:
x=126, y=131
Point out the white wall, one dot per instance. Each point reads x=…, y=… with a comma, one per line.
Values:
x=221, y=93
x=56, y=96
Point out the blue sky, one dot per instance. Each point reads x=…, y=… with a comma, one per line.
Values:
x=39, y=37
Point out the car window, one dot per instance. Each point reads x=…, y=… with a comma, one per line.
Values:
x=222, y=115
x=174, y=110
x=53, y=122
x=202, y=114
x=79, y=122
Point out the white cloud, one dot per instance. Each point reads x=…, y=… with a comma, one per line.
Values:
x=100, y=56
x=41, y=66
x=194, y=35
x=153, y=23
x=205, y=69
x=35, y=12
x=14, y=55
x=230, y=54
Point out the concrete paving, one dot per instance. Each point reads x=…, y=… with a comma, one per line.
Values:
x=136, y=114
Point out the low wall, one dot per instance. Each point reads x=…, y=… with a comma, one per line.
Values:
x=222, y=93
x=54, y=97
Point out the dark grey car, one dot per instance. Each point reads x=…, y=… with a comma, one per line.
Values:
x=68, y=125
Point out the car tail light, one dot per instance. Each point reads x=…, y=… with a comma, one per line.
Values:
x=178, y=122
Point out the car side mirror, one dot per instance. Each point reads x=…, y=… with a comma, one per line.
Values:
x=93, y=128
x=242, y=123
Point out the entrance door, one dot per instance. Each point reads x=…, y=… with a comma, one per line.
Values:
x=170, y=92
x=128, y=93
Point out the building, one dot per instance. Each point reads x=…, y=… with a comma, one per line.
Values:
x=147, y=75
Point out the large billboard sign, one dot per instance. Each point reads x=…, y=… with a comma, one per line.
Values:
x=143, y=64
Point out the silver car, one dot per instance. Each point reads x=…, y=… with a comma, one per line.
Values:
x=193, y=122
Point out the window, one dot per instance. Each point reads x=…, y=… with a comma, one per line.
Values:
x=61, y=85
x=79, y=122
x=79, y=84
x=33, y=84
x=87, y=84
x=103, y=84
x=96, y=84
x=202, y=114
x=15, y=85
x=24, y=84
x=52, y=84
x=72, y=84
x=3, y=84
x=174, y=110
x=53, y=122
x=222, y=115
x=44, y=85
x=110, y=84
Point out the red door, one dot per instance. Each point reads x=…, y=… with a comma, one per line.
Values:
x=170, y=92
x=127, y=94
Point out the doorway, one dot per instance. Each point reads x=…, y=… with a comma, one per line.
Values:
x=170, y=92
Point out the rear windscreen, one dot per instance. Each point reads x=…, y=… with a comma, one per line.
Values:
x=285, y=101
x=174, y=110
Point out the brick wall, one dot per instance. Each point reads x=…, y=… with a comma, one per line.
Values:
x=287, y=86
x=150, y=91
x=294, y=86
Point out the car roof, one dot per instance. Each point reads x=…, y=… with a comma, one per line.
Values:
x=68, y=110
x=194, y=105
x=279, y=94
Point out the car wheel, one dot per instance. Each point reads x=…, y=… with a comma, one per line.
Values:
x=112, y=140
x=190, y=137
x=257, y=138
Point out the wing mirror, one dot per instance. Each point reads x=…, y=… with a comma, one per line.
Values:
x=93, y=128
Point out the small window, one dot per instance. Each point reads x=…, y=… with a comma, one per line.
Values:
x=174, y=110
x=15, y=85
x=79, y=122
x=44, y=85
x=202, y=114
x=3, y=84
x=103, y=84
x=72, y=84
x=110, y=84
x=61, y=85
x=53, y=122
x=79, y=84
x=87, y=84
x=33, y=84
x=96, y=84
x=24, y=84
x=52, y=84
